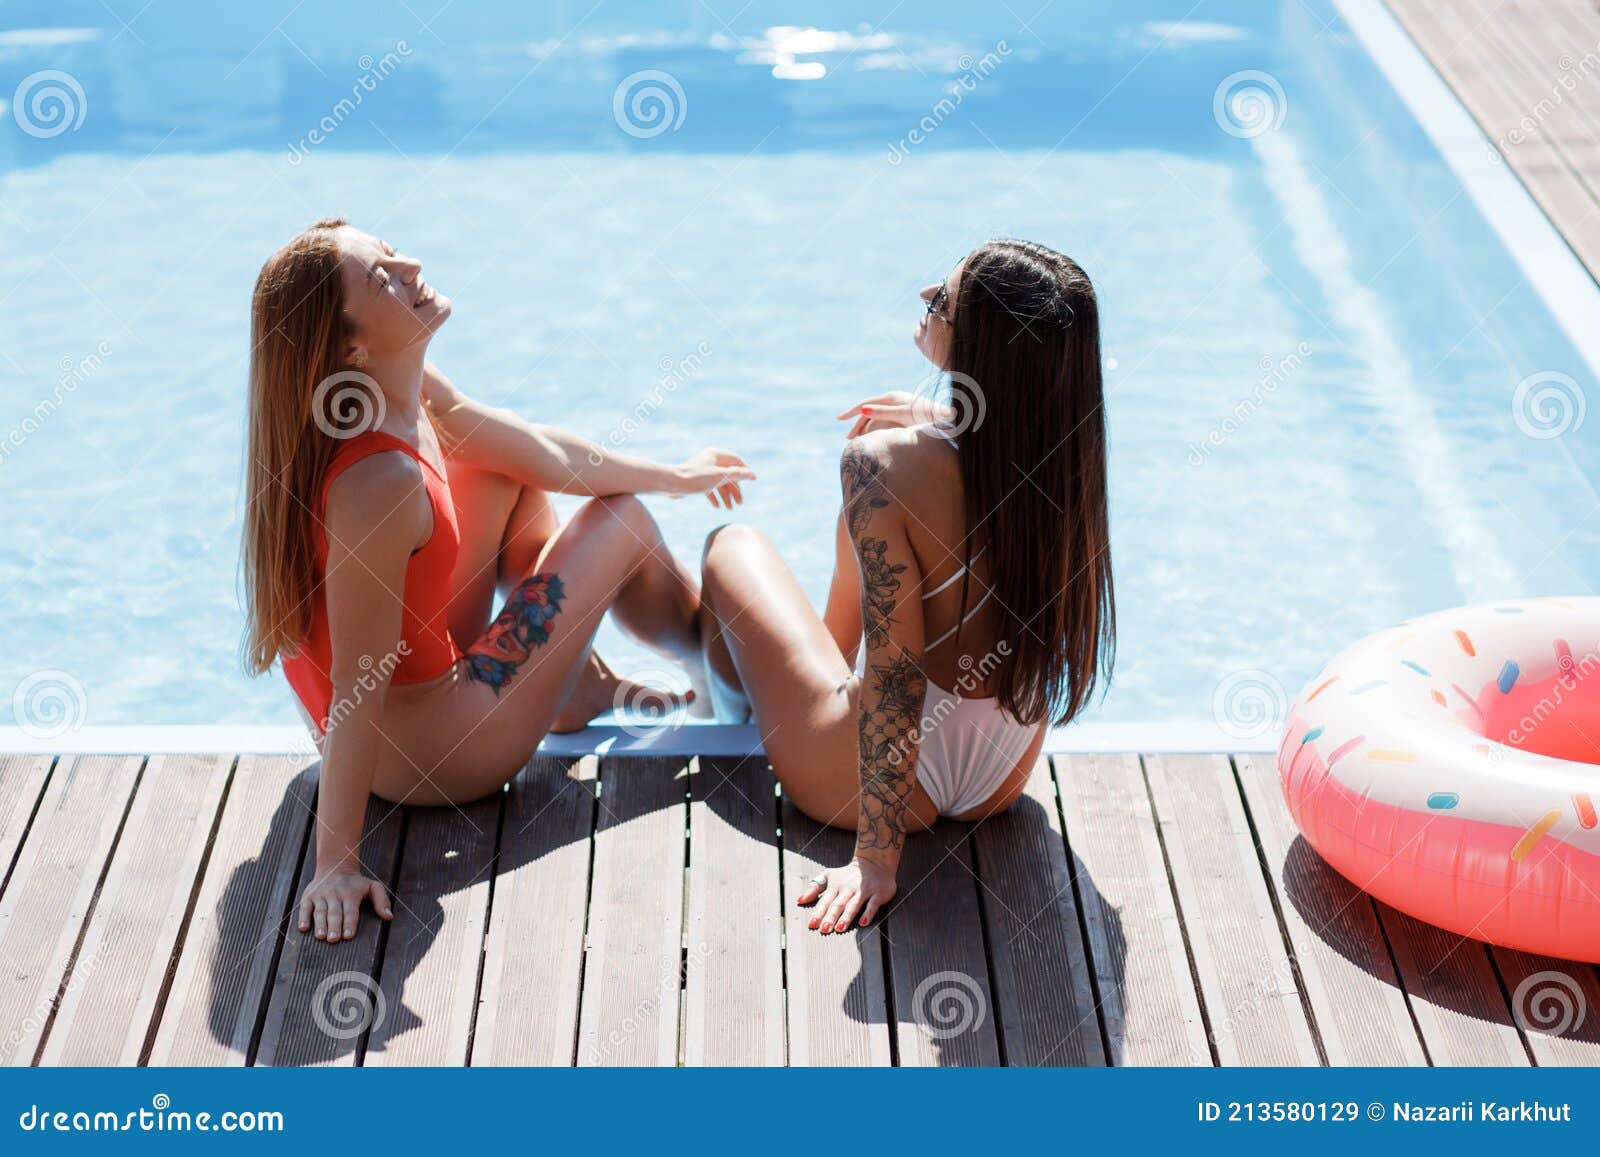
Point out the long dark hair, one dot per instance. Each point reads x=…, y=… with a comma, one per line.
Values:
x=1025, y=383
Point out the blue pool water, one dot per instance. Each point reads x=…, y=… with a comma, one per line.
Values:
x=1313, y=341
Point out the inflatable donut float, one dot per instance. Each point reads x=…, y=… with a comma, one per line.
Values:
x=1451, y=768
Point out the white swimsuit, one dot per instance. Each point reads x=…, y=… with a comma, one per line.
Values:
x=968, y=746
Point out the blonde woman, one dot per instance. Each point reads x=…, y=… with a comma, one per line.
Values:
x=372, y=553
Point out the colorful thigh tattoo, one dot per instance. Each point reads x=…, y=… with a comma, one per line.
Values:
x=523, y=624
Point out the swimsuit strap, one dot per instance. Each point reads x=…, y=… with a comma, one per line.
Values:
x=964, y=619
x=944, y=586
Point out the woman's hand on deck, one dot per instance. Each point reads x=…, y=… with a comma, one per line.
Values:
x=894, y=410
x=331, y=906
x=861, y=887
x=716, y=474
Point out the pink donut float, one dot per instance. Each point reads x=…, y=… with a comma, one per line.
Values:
x=1451, y=768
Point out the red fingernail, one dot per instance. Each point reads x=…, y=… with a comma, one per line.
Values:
x=814, y=923
x=866, y=409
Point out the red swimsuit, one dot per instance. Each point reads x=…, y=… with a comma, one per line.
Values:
x=425, y=650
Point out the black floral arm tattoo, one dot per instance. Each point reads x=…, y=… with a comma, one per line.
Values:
x=891, y=704
x=894, y=686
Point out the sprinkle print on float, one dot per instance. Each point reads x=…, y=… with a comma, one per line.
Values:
x=1463, y=793
x=523, y=625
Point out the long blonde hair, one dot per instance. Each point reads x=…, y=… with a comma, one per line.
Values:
x=298, y=338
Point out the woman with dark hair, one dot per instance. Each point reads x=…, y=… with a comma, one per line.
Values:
x=973, y=554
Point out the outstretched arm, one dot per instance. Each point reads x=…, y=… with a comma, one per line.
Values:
x=890, y=712
x=377, y=514
x=499, y=440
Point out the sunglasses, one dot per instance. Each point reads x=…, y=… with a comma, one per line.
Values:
x=937, y=301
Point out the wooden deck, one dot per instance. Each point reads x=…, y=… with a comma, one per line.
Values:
x=1529, y=71
x=638, y=911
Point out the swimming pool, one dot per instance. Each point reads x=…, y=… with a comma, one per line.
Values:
x=1335, y=400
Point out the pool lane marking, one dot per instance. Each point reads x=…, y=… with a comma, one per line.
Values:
x=1530, y=838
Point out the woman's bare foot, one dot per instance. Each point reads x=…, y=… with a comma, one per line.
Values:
x=600, y=690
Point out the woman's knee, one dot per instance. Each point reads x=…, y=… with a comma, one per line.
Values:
x=622, y=512
x=729, y=542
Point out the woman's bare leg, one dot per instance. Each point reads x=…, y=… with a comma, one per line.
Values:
x=763, y=638
x=462, y=740
x=505, y=525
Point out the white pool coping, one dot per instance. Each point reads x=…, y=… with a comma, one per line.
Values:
x=1556, y=273
x=664, y=739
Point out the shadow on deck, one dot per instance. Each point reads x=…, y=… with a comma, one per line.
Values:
x=623, y=911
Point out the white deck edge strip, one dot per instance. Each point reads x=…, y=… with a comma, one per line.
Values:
x=1532, y=239
x=694, y=739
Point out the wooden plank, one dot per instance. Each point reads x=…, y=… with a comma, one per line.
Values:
x=533, y=955
x=943, y=1005
x=1344, y=962
x=837, y=1011
x=1556, y=1004
x=435, y=943
x=128, y=949
x=225, y=967
x=22, y=783
x=1242, y=962
x=324, y=996
x=52, y=892
x=1147, y=995
x=733, y=990
x=632, y=980
x=1036, y=947
x=1478, y=80
x=1455, y=994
